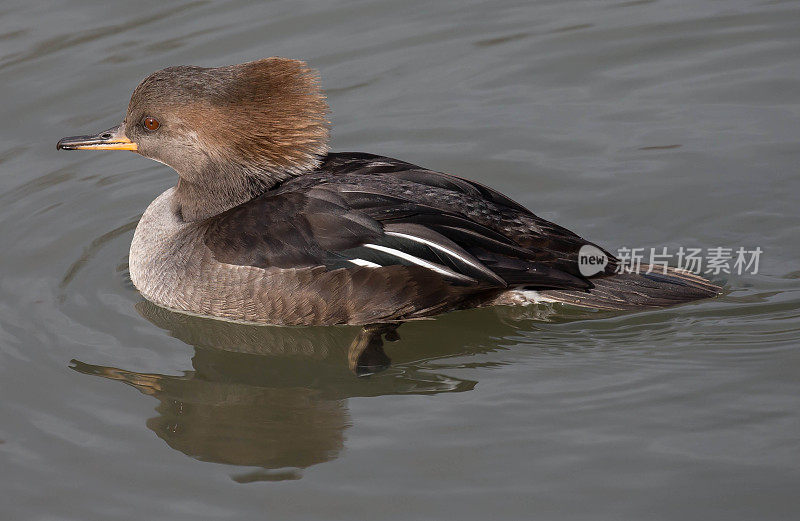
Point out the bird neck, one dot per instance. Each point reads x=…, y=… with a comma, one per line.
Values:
x=213, y=190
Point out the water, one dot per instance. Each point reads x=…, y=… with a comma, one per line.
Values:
x=635, y=124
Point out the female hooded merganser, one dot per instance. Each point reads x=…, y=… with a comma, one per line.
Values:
x=266, y=226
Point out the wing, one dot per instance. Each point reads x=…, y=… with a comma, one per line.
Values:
x=360, y=210
x=470, y=199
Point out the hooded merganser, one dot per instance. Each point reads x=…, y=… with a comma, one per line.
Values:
x=266, y=226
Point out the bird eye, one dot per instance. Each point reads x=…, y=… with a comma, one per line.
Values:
x=151, y=124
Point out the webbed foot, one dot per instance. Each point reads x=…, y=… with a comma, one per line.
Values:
x=366, y=355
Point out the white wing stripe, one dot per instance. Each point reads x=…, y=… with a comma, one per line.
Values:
x=416, y=260
x=434, y=245
x=365, y=263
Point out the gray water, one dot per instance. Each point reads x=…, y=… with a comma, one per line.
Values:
x=633, y=123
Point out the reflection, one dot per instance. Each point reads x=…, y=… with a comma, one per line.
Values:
x=276, y=397
x=238, y=419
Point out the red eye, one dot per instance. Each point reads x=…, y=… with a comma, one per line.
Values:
x=151, y=124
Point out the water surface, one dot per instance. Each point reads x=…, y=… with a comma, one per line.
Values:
x=637, y=124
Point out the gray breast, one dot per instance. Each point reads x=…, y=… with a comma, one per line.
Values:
x=160, y=252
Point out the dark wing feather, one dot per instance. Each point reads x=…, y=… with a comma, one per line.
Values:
x=288, y=230
x=364, y=210
x=473, y=200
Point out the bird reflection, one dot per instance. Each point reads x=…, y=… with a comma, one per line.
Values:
x=238, y=419
x=275, y=398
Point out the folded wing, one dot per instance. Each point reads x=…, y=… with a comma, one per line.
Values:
x=368, y=211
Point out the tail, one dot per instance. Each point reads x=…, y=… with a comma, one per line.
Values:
x=628, y=291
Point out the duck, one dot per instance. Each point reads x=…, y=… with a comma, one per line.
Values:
x=266, y=225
